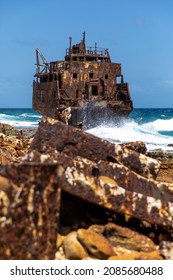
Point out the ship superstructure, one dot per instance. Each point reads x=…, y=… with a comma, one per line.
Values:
x=86, y=81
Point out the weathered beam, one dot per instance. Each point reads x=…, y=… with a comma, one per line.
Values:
x=134, y=182
x=112, y=186
x=124, y=177
x=29, y=212
x=77, y=179
x=30, y=200
x=53, y=134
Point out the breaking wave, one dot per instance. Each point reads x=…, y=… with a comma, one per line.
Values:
x=152, y=126
x=156, y=134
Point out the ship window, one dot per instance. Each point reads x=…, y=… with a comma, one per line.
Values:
x=106, y=76
x=99, y=59
x=106, y=60
x=74, y=75
x=91, y=75
x=81, y=58
x=94, y=90
x=91, y=58
x=118, y=79
x=88, y=58
x=74, y=58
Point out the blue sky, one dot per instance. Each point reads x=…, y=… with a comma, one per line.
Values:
x=138, y=34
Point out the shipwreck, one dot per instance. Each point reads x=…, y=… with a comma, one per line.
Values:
x=86, y=85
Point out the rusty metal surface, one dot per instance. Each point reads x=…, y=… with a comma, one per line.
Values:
x=106, y=192
x=68, y=160
x=134, y=182
x=29, y=212
x=103, y=184
x=106, y=174
x=86, y=80
x=69, y=140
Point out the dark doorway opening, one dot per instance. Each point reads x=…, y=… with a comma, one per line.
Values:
x=94, y=90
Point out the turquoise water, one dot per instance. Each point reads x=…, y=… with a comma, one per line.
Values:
x=160, y=120
x=152, y=126
x=20, y=118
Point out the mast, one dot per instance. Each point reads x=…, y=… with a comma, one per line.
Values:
x=84, y=38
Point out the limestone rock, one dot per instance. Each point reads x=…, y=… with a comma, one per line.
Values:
x=166, y=249
x=126, y=238
x=73, y=248
x=12, y=148
x=7, y=129
x=134, y=255
x=59, y=255
x=59, y=240
x=96, y=245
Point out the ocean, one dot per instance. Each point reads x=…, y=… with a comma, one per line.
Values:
x=152, y=126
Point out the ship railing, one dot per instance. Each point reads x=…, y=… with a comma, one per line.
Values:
x=93, y=50
x=89, y=50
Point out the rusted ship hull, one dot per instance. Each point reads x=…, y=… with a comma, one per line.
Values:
x=96, y=113
x=90, y=113
x=86, y=84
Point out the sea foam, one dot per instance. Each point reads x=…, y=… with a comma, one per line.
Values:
x=130, y=131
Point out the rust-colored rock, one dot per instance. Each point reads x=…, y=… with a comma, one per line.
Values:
x=137, y=146
x=55, y=135
x=11, y=147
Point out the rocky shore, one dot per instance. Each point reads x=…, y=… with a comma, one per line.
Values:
x=66, y=194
